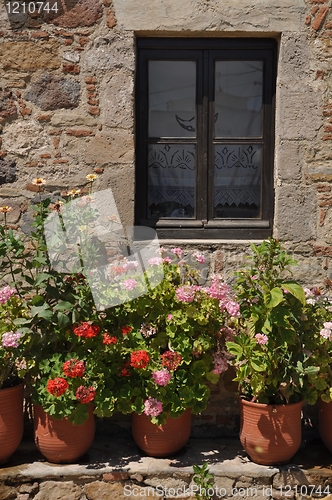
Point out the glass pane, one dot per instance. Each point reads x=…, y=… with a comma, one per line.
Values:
x=172, y=98
x=237, y=180
x=171, y=180
x=238, y=98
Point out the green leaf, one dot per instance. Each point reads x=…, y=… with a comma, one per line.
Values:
x=42, y=312
x=64, y=306
x=63, y=320
x=296, y=290
x=276, y=296
x=234, y=348
x=256, y=366
x=41, y=278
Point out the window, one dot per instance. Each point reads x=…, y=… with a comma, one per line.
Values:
x=204, y=151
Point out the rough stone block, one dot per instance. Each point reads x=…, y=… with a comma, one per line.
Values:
x=7, y=104
x=29, y=56
x=21, y=138
x=53, y=490
x=295, y=217
x=294, y=54
x=77, y=13
x=115, y=50
x=7, y=171
x=72, y=119
x=98, y=490
x=116, y=100
x=53, y=92
x=116, y=146
x=299, y=114
x=289, y=161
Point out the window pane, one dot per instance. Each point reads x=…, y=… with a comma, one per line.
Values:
x=237, y=180
x=238, y=98
x=171, y=180
x=172, y=98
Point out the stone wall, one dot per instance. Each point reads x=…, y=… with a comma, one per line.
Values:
x=67, y=109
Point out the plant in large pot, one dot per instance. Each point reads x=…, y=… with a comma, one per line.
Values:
x=12, y=370
x=319, y=344
x=167, y=345
x=271, y=361
x=63, y=343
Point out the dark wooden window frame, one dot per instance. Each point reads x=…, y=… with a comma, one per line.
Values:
x=201, y=50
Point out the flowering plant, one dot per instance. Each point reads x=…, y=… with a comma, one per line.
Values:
x=12, y=340
x=118, y=335
x=269, y=353
x=58, y=322
x=167, y=345
x=319, y=340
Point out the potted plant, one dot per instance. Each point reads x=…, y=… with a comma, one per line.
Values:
x=269, y=354
x=64, y=342
x=319, y=344
x=167, y=345
x=12, y=370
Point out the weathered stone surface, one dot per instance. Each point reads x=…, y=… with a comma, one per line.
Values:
x=53, y=92
x=73, y=57
x=295, y=217
x=299, y=113
x=77, y=13
x=7, y=492
x=108, y=51
x=52, y=490
x=14, y=215
x=24, y=137
x=7, y=104
x=29, y=56
x=114, y=146
x=295, y=53
x=72, y=118
x=243, y=15
x=7, y=171
x=116, y=98
x=290, y=161
x=99, y=490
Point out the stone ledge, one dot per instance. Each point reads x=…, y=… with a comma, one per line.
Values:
x=114, y=468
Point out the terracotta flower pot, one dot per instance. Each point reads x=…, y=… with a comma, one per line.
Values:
x=270, y=434
x=161, y=440
x=325, y=423
x=60, y=441
x=11, y=421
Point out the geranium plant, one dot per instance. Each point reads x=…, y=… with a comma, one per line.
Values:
x=102, y=328
x=54, y=309
x=12, y=340
x=269, y=353
x=167, y=345
x=318, y=340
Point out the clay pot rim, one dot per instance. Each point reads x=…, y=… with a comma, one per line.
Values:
x=16, y=386
x=270, y=405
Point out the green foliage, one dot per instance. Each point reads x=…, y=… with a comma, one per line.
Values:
x=269, y=352
x=61, y=323
x=203, y=478
x=318, y=341
x=185, y=322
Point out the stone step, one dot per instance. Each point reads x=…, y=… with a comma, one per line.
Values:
x=114, y=469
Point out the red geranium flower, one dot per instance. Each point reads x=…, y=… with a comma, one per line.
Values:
x=57, y=386
x=139, y=359
x=107, y=339
x=74, y=368
x=86, y=329
x=171, y=360
x=126, y=329
x=85, y=394
x=124, y=372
